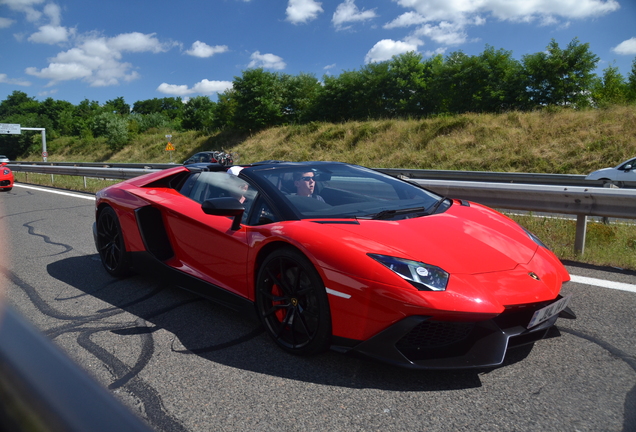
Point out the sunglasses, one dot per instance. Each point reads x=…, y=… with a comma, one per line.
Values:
x=308, y=178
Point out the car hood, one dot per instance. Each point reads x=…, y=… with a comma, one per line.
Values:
x=609, y=173
x=461, y=241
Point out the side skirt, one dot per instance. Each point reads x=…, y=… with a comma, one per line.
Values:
x=145, y=263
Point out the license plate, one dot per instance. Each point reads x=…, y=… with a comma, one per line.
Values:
x=549, y=311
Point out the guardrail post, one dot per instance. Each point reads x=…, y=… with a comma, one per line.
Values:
x=581, y=228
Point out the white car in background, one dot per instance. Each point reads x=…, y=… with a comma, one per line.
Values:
x=3, y=158
x=621, y=173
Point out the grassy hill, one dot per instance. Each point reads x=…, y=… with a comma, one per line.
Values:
x=548, y=141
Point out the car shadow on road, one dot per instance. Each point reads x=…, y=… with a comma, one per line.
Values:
x=213, y=332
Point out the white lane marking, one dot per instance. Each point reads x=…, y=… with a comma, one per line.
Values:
x=337, y=293
x=88, y=197
x=603, y=283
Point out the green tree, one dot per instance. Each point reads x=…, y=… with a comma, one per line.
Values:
x=170, y=106
x=113, y=127
x=611, y=89
x=630, y=89
x=339, y=98
x=117, y=106
x=225, y=110
x=198, y=114
x=83, y=116
x=561, y=76
x=299, y=96
x=259, y=99
x=409, y=80
x=18, y=103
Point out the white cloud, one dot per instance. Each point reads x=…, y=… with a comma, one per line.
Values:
x=348, y=12
x=203, y=50
x=56, y=72
x=174, y=90
x=5, y=22
x=406, y=20
x=53, y=12
x=627, y=47
x=4, y=79
x=444, y=33
x=204, y=87
x=386, y=49
x=515, y=10
x=51, y=35
x=136, y=42
x=435, y=52
x=25, y=6
x=302, y=11
x=446, y=21
x=267, y=61
x=97, y=59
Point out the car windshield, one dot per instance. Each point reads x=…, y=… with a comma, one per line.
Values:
x=344, y=191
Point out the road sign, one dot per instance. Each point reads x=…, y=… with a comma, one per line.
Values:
x=9, y=128
x=169, y=147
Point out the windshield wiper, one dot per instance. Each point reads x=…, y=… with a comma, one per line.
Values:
x=435, y=206
x=388, y=214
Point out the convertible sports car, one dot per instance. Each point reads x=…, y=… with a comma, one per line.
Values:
x=331, y=255
x=6, y=178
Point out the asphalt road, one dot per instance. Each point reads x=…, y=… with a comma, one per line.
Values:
x=186, y=364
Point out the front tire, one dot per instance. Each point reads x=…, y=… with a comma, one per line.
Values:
x=110, y=243
x=292, y=303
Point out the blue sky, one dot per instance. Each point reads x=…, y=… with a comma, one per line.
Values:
x=101, y=50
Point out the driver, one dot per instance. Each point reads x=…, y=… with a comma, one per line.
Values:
x=305, y=183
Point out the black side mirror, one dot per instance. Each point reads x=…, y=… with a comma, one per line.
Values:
x=225, y=206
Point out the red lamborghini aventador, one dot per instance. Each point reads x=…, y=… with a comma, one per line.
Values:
x=331, y=255
x=6, y=178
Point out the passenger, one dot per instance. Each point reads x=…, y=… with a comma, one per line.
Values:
x=305, y=185
x=238, y=187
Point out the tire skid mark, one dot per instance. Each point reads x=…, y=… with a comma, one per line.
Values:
x=43, y=306
x=629, y=418
x=249, y=336
x=124, y=375
x=629, y=359
x=46, y=238
x=154, y=409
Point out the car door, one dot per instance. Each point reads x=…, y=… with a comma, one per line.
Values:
x=205, y=246
x=629, y=174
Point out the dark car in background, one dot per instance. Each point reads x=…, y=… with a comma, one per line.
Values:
x=219, y=157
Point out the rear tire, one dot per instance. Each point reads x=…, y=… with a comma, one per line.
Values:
x=292, y=303
x=110, y=243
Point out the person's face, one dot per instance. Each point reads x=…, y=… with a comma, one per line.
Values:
x=305, y=186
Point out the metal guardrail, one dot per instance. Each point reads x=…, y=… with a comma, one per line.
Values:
x=550, y=193
x=96, y=172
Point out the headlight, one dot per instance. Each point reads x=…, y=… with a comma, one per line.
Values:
x=424, y=277
x=6, y=171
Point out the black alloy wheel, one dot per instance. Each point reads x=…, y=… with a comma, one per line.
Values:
x=292, y=303
x=110, y=243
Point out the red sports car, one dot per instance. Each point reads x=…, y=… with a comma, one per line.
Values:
x=6, y=178
x=331, y=255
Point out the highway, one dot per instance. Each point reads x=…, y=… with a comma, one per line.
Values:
x=185, y=364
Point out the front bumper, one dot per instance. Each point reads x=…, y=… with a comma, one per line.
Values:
x=418, y=342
